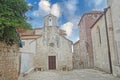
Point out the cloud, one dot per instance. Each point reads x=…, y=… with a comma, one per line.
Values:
x=68, y=27
x=45, y=7
x=29, y=4
x=98, y=4
x=69, y=8
x=55, y=10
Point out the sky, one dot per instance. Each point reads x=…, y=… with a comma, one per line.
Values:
x=68, y=13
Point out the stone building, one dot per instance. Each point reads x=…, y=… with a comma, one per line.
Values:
x=86, y=53
x=105, y=54
x=9, y=62
x=101, y=44
x=28, y=52
x=112, y=33
x=53, y=51
x=115, y=13
x=76, y=55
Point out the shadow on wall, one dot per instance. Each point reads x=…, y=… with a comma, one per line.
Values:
x=26, y=62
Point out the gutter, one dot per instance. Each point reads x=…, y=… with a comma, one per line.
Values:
x=109, y=53
x=20, y=45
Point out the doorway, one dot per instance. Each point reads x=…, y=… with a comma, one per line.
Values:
x=52, y=62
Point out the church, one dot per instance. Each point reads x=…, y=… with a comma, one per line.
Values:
x=47, y=48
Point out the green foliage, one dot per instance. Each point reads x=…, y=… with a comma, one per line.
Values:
x=12, y=16
x=10, y=35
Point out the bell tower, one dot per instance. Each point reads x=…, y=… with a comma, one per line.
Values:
x=50, y=20
x=50, y=29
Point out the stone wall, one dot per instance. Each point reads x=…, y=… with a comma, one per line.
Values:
x=110, y=38
x=27, y=62
x=115, y=13
x=77, y=64
x=62, y=49
x=86, y=49
x=27, y=54
x=101, y=45
x=116, y=25
x=38, y=31
x=9, y=62
x=65, y=54
x=29, y=46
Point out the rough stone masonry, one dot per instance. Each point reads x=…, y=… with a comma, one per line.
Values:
x=9, y=62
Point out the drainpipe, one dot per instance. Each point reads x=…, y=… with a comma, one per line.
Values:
x=109, y=53
x=20, y=45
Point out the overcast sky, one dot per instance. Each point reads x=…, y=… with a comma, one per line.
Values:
x=68, y=13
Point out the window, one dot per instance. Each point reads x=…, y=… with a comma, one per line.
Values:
x=95, y=16
x=116, y=53
x=51, y=44
x=58, y=41
x=86, y=44
x=50, y=21
x=23, y=43
x=99, y=35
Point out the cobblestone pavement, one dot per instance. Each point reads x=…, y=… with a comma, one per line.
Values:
x=86, y=74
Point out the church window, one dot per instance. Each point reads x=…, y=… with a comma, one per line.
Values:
x=99, y=34
x=86, y=43
x=50, y=21
x=51, y=44
x=58, y=41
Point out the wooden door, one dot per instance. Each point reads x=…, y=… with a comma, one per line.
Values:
x=52, y=62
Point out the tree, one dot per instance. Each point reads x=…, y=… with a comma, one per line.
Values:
x=12, y=16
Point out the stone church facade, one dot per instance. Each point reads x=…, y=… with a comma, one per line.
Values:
x=52, y=51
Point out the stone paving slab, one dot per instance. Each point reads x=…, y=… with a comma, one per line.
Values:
x=85, y=74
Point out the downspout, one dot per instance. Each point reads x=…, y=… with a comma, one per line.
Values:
x=20, y=45
x=109, y=53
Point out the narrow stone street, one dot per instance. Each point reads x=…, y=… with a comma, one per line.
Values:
x=86, y=74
